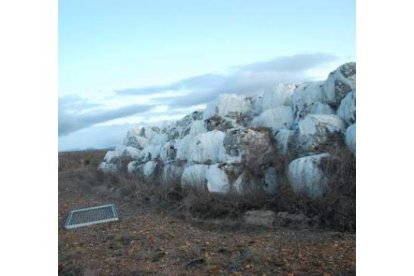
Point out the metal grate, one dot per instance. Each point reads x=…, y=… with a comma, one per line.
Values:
x=93, y=215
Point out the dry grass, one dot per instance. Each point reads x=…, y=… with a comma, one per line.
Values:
x=74, y=160
x=148, y=241
x=335, y=210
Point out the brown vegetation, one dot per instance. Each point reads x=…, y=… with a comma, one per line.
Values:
x=167, y=230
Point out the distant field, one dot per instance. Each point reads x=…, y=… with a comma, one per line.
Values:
x=77, y=159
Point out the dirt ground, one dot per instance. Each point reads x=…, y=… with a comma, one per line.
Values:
x=149, y=242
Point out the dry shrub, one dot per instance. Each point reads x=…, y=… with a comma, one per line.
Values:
x=78, y=159
x=335, y=210
x=200, y=203
x=340, y=202
x=194, y=202
x=119, y=184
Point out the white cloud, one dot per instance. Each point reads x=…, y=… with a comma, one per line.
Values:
x=72, y=117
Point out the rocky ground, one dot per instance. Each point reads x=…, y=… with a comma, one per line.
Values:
x=149, y=242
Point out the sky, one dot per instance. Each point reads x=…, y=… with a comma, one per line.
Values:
x=126, y=63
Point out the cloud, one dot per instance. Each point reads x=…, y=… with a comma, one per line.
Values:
x=196, y=98
x=242, y=79
x=142, y=91
x=300, y=62
x=72, y=102
x=196, y=82
x=72, y=115
x=95, y=137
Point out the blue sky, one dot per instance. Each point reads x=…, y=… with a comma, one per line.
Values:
x=123, y=63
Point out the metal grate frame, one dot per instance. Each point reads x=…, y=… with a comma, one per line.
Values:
x=92, y=215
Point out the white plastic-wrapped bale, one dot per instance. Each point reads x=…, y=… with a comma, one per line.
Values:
x=232, y=144
x=158, y=139
x=320, y=108
x=306, y=175
x=347, y=108
x=135, y=139
x=183, y=127
x=171, y=130
x=172, y=173
x=111, y=155
x=197, y=127
x=132, y=167
x=122, y=152
x=155, y=147
x=313, y=108
x=151, y=152
x=257, y=103
x=235, y=142
x=150, y=132
x=350, y=138
x=277, y=96
x=314, y=124
x=275, y=118
x=254, y=148
x=195, y=175
x=218, y=122
x=168, y=151
x=317, y=131
x=259, y=150
x=197, y=115
x=108, y=167
x=132, y=152
x=228, y=105
x=339, y=83
x=282, y=137
x=149, y=169
x=182, y=147
x=141, y=137
x=206, y=148
x=308, y=92
x=308, y=98
x=217, y=180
